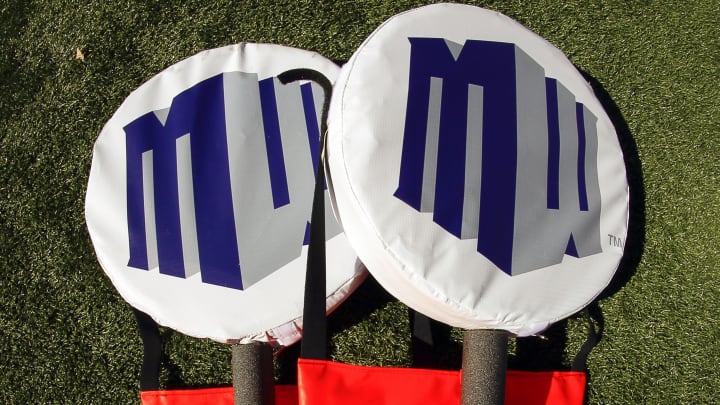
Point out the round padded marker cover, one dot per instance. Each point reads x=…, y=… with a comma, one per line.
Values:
x=475, y=172
x=200, y=194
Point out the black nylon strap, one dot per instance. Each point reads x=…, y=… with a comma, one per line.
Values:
x=422, y=342
x=314, y=342
x=593, y=336
x=421, y=327
x=152, y=351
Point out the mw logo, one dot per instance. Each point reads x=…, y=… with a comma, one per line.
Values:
x=220, y=183
x=500, y=153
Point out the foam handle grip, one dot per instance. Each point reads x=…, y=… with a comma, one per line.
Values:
x=252, y=369
x=484, y=363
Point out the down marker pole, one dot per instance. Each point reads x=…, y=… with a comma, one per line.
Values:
x=484, y=363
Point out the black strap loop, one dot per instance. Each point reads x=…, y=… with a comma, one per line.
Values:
x=593, y=336
x=314, y=343
x=152, y=351
x=422, y=341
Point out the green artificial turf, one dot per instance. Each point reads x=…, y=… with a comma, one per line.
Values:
x=67, y=337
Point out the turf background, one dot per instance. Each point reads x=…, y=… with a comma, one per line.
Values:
x=67, y=337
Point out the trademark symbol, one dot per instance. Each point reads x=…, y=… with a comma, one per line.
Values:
x=615, y=241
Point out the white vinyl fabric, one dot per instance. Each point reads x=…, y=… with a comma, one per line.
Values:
x=200, y=192
x=474, y=171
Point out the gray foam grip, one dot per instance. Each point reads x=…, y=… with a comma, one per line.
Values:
x=253, y=379
x=484, y=363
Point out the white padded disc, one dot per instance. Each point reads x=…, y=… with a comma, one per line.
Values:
x=475, y=172
x=200, y=192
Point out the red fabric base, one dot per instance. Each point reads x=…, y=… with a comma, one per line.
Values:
x=284, y=395
x=329, y=383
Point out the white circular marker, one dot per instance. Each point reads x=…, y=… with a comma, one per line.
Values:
x=200, y=193
x=475, y=172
